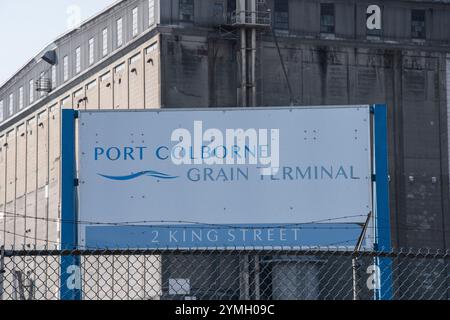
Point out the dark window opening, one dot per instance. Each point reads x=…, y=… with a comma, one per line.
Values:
x=281, y=15
x=418, y=24
x=187, y=10
x=327, y=19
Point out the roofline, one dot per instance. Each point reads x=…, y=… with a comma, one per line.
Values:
x=36, y=57
x=113, y=5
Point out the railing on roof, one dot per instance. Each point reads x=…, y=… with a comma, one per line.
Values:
x=251, y=18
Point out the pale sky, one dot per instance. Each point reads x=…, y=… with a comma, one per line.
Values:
x=27, y=26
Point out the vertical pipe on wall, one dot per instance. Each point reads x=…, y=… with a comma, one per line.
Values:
x=243, y=67
x=253, y=71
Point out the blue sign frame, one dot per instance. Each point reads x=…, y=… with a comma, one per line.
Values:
x=70, y=278
x=382, y=214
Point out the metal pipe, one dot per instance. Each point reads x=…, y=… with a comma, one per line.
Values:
x=253, y=71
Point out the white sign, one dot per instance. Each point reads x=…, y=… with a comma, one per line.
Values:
x=254, y=166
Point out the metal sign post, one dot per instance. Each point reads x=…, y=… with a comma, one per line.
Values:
x=70, y=286
x=382, y=216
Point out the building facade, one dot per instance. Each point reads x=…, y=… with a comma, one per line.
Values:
x=142, y=54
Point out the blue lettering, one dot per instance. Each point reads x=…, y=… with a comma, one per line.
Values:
x=193, y=175
x=128, y=152
x=98, y=152
x=352, y=174
x=158, y=153
x=141, y=152
x=341, y=172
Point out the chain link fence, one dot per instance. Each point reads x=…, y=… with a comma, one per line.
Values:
x=306, y=274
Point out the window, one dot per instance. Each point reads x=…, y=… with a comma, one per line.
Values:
x=105, y=77
x=327, y=18
x=151, y=12
x=11, y=104
x=1, y=110
x=218, y=11
x=91, y=85
x=135, y=58
x=78, y=60
x=53, y=77
x=105, y=42
x=119, y=32
x=418, y=24
x=281, y=15
x=187, y=10
x=152, y=48
x=31, y=88
x=91, y=51
x=119, y=68
x=66, y=68
x=20, y=97
x=373, y=20
x=135, y=22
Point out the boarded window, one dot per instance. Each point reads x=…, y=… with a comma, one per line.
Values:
x=418, y=24
x=327, y=19
x=187, y=10
x=281, y=15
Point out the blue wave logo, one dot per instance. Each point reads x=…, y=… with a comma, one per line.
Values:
x=153, y=174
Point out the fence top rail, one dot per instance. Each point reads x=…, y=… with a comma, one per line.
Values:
x=398, y=253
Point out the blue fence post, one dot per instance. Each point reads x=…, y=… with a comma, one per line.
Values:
x=382, y=215
x=70, y=278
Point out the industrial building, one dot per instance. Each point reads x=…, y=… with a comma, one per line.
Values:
x=147, y=54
